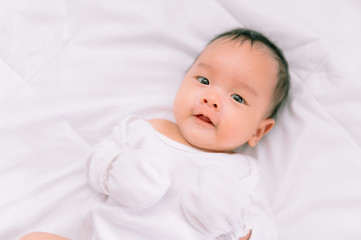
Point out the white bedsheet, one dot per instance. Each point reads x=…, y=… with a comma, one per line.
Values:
x=69, y=70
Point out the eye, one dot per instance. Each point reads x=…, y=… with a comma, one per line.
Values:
x=238, y=98
x=203, y=80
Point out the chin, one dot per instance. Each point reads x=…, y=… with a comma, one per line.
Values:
x=201, y=145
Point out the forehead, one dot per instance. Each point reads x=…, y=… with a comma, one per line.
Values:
x=240, y=61
x=238, y=50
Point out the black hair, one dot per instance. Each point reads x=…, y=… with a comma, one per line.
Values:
x=280, y=92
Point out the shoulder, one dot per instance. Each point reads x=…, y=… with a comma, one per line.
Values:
x=133, y=120
x=131, y=125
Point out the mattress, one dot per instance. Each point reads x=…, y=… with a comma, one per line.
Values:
x=70, y=70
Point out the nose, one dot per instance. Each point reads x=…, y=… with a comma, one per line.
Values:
x=212, y=102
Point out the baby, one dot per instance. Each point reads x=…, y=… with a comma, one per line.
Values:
x=161, y=179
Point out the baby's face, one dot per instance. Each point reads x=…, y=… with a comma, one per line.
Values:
x=225, y=96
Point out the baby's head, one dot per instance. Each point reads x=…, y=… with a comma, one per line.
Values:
x=231, y=93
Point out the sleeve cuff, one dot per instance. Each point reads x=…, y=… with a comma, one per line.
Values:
x=100, y=163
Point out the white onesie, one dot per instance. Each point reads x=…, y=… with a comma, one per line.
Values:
x=155, y=188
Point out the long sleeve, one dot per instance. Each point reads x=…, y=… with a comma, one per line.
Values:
x=264, y=227
x=135, y=178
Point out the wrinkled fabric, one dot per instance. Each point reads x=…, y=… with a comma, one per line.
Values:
x=150, y=180
x=69, y=70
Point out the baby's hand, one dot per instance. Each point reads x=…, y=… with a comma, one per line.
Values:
x=247, y=237
x=137, y=179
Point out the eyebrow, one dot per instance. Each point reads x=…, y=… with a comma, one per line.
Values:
x=204, y=65
x=247, y=87
x=241, y=84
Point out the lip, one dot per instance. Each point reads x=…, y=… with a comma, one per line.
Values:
x=204, y=120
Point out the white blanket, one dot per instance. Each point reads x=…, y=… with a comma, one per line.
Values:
x=69, y=70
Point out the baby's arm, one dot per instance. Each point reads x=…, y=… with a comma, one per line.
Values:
x=42, y=236
x=264, y=226
x=49, y=236
x=135, y=178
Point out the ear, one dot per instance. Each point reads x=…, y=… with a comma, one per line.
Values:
x=264, y=127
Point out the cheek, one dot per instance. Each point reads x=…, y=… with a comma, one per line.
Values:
x=236, y=128
x=183, y=101
x=233, y=130
x=177, y=107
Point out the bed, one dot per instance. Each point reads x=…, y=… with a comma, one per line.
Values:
x=69, y=70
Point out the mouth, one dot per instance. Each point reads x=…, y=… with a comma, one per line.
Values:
x=204, y=119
